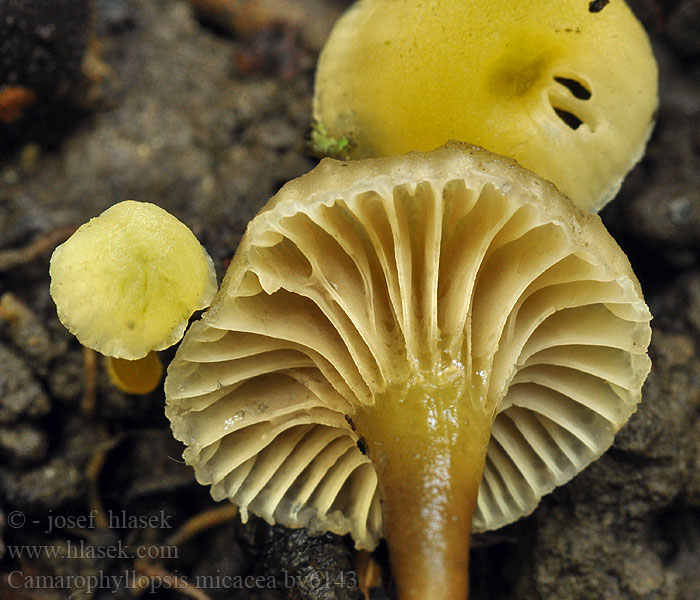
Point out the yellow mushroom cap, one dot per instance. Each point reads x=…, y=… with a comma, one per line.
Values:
x=452, y=289
x=127, y=282
x=569, y=93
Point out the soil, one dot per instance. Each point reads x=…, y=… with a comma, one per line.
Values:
x=208, y=119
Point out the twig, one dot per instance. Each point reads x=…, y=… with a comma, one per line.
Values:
x=369, y=573
x=9, y=259
x=93, y=471
x=89, y=399
x=153, y=571
x=202, y=521
x=313, y=18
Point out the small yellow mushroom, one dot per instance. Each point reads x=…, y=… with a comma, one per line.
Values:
x=568, y=92
x=126, y=283
x=411, y=347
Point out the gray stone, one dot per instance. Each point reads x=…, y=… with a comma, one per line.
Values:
x=20, y=394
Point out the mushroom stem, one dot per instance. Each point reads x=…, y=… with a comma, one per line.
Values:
x=140, y=376
x=428, y=442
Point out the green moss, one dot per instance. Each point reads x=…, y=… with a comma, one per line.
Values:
x=321, y=144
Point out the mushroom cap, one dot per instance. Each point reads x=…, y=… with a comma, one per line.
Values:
x=569, y=93
x=127, y=282
x=363, y=276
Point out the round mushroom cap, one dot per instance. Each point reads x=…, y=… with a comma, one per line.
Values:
x=568, y=92
x=364, y=276
x=127, y=282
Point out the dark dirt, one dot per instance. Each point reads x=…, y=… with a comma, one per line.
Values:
x=209, y=123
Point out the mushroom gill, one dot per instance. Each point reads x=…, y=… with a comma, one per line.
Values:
x=443, y=331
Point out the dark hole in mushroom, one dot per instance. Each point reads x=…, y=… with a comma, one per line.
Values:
x=362, y=445
x=350, y=422
x=569, y=118
x=595, y=6
x=579, y=90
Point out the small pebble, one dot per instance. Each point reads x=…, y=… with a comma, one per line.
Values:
x=27, y=333
x=20, y=394
x=668, y=213
x=683, y=26
x=118, y=16
x=276, y=134
x=48, y=487
x=23, y=444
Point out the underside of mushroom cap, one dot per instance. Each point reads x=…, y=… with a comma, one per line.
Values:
x=365, y=277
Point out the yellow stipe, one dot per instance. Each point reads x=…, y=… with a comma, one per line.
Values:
x=140, y=376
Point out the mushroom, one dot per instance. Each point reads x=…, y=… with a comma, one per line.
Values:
x=568, y=92
x=126, y=283
x=412, y=347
